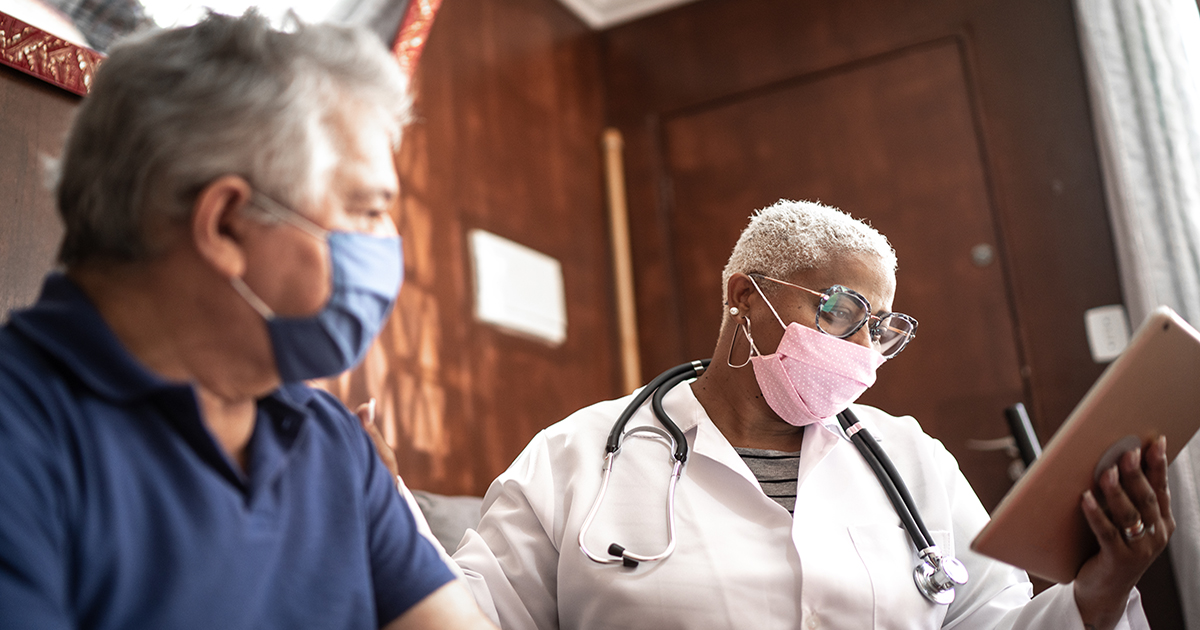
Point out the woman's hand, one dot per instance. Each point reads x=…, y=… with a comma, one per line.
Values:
x=366, y=415
x=1132, y=532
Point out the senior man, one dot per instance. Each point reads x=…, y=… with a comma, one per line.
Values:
x=225, y=191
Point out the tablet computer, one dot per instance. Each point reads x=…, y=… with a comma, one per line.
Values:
x=1152, y=389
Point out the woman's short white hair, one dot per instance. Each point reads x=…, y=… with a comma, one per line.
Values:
x=793, y=236
x=172, y=110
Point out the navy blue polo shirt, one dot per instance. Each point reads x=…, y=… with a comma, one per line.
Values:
x=119, y=510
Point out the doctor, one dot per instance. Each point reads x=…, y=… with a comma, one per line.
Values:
x=780, y=523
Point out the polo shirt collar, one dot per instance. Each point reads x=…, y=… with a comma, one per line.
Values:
x=66, y=325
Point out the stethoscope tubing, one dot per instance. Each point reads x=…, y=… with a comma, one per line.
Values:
x=935, y=576
x=653, y=388
x=656, y=404
x=617, y=553
x=889, y=478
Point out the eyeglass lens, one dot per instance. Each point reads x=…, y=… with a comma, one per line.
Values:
x=842, y=313
x=891, y=333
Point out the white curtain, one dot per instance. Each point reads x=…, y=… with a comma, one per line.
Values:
x=1143, y=63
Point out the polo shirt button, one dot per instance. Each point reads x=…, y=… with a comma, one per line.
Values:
x=813, y=622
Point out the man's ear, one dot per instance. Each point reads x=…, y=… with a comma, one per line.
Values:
x=218, y=225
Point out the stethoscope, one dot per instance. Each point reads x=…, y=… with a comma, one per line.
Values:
x=936, y=575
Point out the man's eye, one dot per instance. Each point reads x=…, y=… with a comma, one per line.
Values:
x=373, y=215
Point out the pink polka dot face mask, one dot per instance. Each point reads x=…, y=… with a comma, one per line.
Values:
x=812, y=376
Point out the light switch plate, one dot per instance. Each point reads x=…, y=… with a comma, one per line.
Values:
x=1107, y=332
x=517, y=288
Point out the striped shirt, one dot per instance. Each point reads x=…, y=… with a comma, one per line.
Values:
x=776, y=472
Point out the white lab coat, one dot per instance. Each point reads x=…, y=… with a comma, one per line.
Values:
x=741, y=561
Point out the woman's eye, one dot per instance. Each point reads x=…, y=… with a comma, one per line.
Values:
x=839, y=314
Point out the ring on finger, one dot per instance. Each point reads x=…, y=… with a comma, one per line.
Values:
x=1135, y=531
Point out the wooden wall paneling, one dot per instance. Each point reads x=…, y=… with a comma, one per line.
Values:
x=33, y=123
x=711, y=49
x=506, y=139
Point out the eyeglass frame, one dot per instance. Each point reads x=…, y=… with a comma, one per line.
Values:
x=279, y=210
x=871, y=330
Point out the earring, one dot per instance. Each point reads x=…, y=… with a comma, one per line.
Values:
x=733, y=310
x=744, y=327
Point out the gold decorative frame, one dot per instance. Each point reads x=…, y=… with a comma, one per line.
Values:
x=71, y=67
x=52, y=59
x=414, y=32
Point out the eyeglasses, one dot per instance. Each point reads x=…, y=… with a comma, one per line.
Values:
x=842, y=312
x=276, y=209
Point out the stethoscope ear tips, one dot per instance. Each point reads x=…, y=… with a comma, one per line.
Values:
x=619, y=552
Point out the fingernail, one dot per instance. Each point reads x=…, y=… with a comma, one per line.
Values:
x=1113, y=475
x=1089, y=499
x=371, y=404
x=1162, y=443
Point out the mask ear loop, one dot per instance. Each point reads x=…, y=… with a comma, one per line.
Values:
x=753, y=349
x=764, y=297
x=253, y=300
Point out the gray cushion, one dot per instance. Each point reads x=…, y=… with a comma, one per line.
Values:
x=449, y=517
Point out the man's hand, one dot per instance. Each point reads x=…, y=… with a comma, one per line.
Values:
x=1132, y=532
x=366, y=415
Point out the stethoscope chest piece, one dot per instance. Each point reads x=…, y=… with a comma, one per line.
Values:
x=937, y=575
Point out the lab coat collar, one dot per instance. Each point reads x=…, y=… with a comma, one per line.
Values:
x=820, y=439
x=704, y=438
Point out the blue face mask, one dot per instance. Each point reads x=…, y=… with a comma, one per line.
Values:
x=367, y=272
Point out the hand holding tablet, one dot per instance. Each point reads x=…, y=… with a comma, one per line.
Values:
x=1046, y=525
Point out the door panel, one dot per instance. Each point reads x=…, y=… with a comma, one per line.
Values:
x=892, y=140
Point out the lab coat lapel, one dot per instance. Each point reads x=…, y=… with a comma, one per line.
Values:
x=830, y=578
x=819, y=441
x=706, y=440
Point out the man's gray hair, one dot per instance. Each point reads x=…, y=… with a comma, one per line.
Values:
x=793, y=236
x=172, y=110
